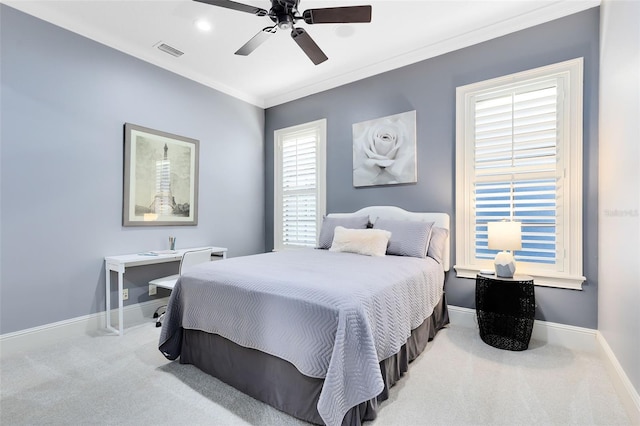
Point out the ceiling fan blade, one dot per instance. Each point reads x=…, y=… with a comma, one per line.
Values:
x=235, y=6
x=256, y=41
x=337, y=15
x=309, y=46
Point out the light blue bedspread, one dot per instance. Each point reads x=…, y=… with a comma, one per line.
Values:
x=332, y=315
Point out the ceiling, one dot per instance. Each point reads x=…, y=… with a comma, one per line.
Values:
x=400, y=33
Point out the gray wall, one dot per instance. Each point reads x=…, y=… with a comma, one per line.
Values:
x=64, y=101
x=429, y=88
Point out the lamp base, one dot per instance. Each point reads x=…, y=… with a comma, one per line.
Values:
x=505, y=265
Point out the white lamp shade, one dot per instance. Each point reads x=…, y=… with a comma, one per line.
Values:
x=505, y=235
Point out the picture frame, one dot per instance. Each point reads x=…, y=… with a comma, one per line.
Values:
x=384, y=151
x=160, y=178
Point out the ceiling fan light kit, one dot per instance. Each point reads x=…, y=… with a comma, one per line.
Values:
x=284, y=13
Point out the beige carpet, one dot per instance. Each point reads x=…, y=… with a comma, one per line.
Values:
x=458, y=380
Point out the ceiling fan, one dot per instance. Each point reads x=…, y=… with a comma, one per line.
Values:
x=284, y=13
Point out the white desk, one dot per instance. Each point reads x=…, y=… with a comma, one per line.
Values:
x=121, y=262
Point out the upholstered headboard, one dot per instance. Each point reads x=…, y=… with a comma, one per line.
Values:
x=440, y=220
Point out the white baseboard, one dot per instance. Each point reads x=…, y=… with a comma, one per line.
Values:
x=462, y=317
x=568, y=336
x=93, y=324
x=628, y=394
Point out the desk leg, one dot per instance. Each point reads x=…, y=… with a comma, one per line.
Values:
x=115, y=267
x=107, y=311
x=120, y=303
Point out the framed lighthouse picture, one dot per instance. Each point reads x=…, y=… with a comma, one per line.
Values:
x=160, y=178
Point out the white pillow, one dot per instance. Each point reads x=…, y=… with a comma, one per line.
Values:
x=370, y=242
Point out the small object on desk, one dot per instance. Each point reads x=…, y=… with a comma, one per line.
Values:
x=487, y=271
x=506, y=310
x=148, y=253
x=172, y=243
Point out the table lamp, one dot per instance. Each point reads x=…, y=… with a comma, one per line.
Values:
x=505, y=236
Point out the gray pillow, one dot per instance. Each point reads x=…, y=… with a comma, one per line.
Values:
x=437, y=243
x=408, y=238
x=329, y=224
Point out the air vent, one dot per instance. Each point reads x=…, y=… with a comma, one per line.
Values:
x=169, y=49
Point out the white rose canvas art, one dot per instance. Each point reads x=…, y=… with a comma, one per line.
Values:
x=384, y=150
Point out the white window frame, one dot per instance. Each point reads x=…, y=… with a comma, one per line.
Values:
x=319, y=127
x=567, y=272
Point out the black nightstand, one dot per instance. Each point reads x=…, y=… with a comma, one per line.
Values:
x=506, y=309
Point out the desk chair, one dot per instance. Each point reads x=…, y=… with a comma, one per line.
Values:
x=189, y=259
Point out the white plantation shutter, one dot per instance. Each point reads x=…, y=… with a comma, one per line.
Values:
x=299, y=189
x=517, y=172
x=519, y=157
x=299, y=186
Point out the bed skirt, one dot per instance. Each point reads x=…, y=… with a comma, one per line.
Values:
x=278, y=383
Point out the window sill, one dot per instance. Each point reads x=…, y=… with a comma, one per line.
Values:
x=543, y=280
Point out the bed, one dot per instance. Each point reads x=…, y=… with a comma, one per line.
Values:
x=323, y=333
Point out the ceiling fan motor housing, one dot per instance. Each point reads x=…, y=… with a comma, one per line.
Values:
x=284, y=13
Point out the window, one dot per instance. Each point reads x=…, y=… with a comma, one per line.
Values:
x=519, y=157
x=299, y=184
